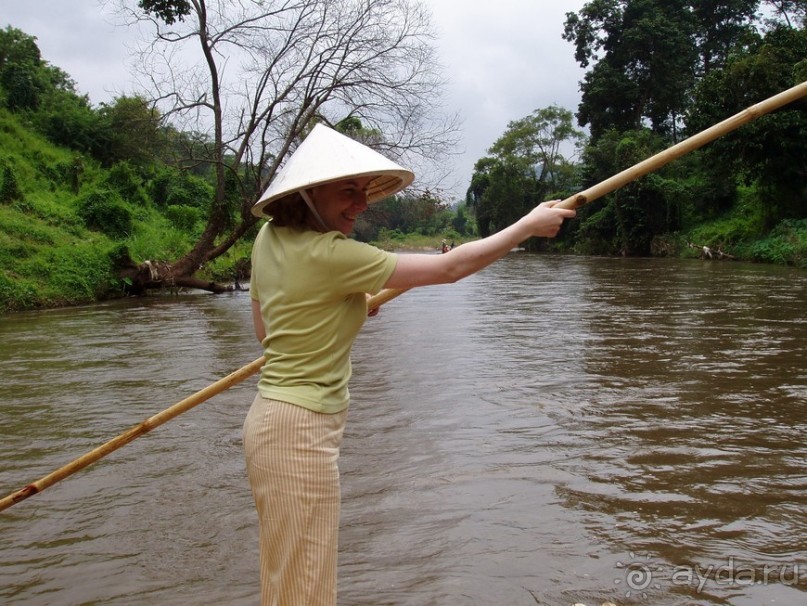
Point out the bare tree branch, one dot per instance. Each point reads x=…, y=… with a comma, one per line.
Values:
x=253, y=75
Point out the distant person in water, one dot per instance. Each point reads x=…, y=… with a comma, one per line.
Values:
x=309, y=286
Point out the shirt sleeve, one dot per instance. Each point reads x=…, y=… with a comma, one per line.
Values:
x=361, y=267
x=253, y=287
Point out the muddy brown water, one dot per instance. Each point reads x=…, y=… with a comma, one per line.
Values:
x=549, y=431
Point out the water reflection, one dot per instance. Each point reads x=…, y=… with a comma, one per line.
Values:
x=551, y=430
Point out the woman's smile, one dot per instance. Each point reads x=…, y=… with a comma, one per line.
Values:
x=340, y=203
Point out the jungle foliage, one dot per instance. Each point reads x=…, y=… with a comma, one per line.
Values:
x=658, y=72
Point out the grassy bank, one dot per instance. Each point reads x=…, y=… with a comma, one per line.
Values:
x=56, y=247
x=743, y=233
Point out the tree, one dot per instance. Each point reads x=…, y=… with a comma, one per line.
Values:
x=790, y=13
x=680, y=68
x=46, y=95
x=539, y=139
x=647, y=56
x=474, y=197
x=21, y=70
x=253, y=77
x=626, y=221
x=133, y=128
x=169, y=11
x=407, y=213
x=644, y=52
x=17, y=47
x=770, y=151
x=21, y=65
x=460, y=221
x=722, y=27
x=527, y=165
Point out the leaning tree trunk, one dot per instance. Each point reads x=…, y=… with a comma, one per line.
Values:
x=156, y=274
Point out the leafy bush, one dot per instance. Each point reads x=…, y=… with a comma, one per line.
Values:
x=69, y=121
x=233, y=266
x=391, y=234
x=82, y=273
x=744, y=223
x=57, y=171
x=786, y=244
x=125, y=180
x=158, y=239
x=183, y=217
x=23, y=86
x=593, y=231
x=177, y=187
x=9, y=188
x=103, y=210
x=16, y=293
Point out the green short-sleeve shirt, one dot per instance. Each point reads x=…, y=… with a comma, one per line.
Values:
x=312, y=292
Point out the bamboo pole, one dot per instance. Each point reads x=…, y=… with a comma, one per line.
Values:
x=687, y=145
x=156, y=420
x=589, y=195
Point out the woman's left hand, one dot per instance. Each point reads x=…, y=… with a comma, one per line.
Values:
x=372, y=312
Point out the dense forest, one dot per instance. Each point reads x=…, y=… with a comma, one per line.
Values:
x=154, y=190
x=658, y=72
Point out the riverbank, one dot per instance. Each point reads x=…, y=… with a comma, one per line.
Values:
x=48, y=260
x=89, y=277
x=785, y=245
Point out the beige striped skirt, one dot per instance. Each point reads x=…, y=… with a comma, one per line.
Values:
x=291, y=454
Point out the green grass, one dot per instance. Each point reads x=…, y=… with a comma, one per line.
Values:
x=395, y=240
x=741, y=233
x=48, y=256
x=44, y=265
x=785, y=245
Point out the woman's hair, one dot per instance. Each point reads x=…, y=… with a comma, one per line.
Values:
x=290, y=211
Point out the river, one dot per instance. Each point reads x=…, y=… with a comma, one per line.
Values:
x=552, y=430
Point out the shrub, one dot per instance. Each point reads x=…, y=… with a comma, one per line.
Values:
x=84, y=272
x=176, y=187
x=786, y=244
x=123, y=179
x=103, y=210
x=183, y=217
x=9, y=188
x=16, y=293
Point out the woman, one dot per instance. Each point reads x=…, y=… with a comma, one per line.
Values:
x=309, y=286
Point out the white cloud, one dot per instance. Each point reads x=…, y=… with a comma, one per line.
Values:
x=503, y=60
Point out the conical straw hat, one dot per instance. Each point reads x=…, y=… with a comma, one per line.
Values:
x=326, y=156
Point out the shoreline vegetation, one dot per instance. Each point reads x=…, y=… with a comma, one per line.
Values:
x=80, y=273
x=48, y=259
x=63, y=245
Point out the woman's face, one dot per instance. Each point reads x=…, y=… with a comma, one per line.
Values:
x=339, y=203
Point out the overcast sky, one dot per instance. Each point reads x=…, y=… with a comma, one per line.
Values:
x=502, y=59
